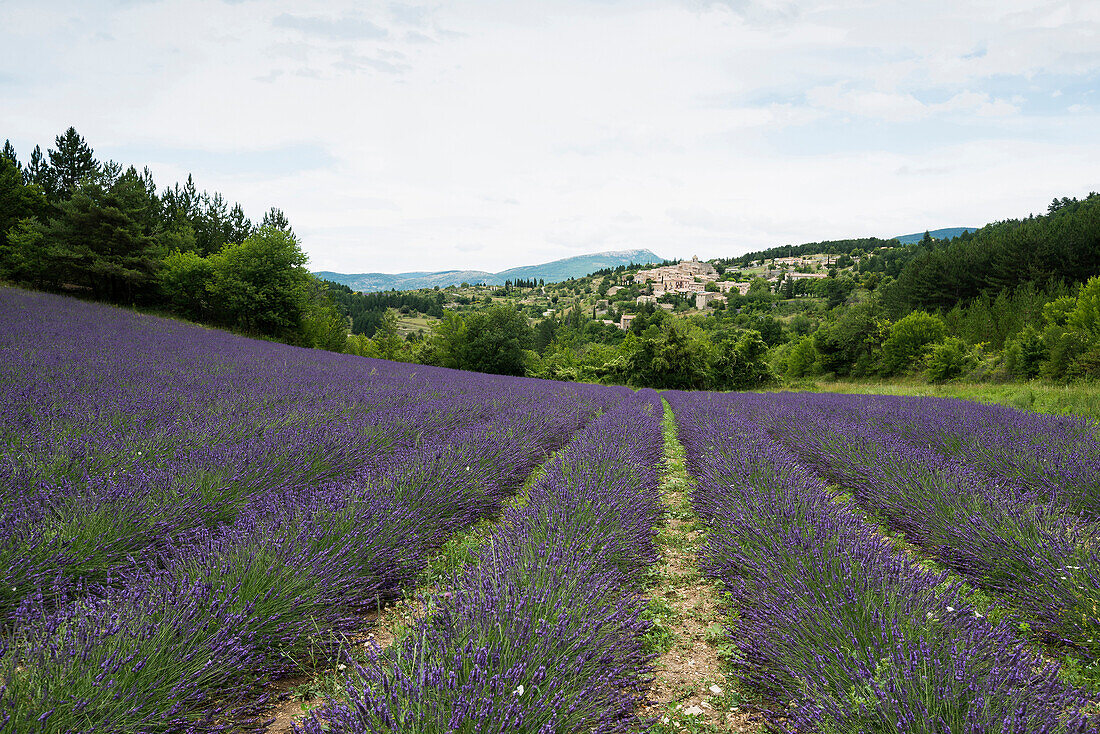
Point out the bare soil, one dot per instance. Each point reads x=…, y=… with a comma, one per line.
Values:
x=691, y=690
x=296, y=696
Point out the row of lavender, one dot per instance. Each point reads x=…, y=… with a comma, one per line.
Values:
x=851, y=632
x=185, y=512
x=541, y=632
x=1003, y=531
x=1056, y=457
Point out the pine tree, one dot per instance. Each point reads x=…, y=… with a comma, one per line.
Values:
x=276, y=219
x=109, y=173
x=9, y=153
x=211, y=224
x=147, y=180
x=240, y=226
x=40, y=174
x=140, y=200
x=72, y=162
x=17, y=200
x=181, y=206
x=99, y=242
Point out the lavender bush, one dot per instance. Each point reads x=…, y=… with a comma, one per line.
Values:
x=542, y=631
x=1057, y=457
x=1043, y=558
x=185, y=512
x=855, y=635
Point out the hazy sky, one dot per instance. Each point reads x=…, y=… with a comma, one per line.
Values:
x=492, y=134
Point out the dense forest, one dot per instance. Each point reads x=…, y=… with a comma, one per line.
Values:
x=1039, y=252
x=1013, y=300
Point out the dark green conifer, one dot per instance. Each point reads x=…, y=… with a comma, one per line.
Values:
x=72, y=162
x=39, y=173
x=275, y=218
x=240, y=226
x=9, y=153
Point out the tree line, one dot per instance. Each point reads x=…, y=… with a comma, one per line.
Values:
x=71, y=223
x=1012, y=300
x=367, y=310
x=827, y=247
x=1039, y=251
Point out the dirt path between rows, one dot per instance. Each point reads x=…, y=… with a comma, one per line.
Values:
x=691, y=690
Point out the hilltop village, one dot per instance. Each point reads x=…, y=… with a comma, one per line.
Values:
x=590, y=328
x=681, y=288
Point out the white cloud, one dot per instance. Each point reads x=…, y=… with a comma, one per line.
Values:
x=904, y=107
x=978, y=103
x=490, y=134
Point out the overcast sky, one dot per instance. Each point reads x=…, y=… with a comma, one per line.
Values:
x=485, y=135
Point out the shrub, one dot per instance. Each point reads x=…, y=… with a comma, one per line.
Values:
x=802, y=358
x=1085, y=316
x=1065, y=348
x=1025, y=353
x=740, y=364
x=184, y=278
x=949, y=359
x=1087, y=365
x=908, y=340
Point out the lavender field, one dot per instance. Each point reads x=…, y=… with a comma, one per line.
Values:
x=186, y=512
x=189, y=515
x=856, y=633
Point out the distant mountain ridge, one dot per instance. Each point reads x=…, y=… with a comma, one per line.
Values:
x=551, y=272
x=947, y=233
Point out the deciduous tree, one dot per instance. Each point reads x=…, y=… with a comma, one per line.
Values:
x=495, y=340
x=261, y=285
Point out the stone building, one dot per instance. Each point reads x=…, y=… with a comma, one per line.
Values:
x=688, y=276
x=703, y=300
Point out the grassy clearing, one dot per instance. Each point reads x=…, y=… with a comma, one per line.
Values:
x=692, y=691
x=1082, y=399
x=412, y=324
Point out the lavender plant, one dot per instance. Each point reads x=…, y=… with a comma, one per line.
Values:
x=1056, y=457
x=1041, y=557
x=185, y=512
x=542, y=631
x=850, y=633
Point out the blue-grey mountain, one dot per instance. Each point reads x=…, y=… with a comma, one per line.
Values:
x=551, y=272
x=947, y=233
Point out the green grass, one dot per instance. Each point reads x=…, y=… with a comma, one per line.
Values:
x=658, y=639
x=408, y=324
x=1082, y=399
